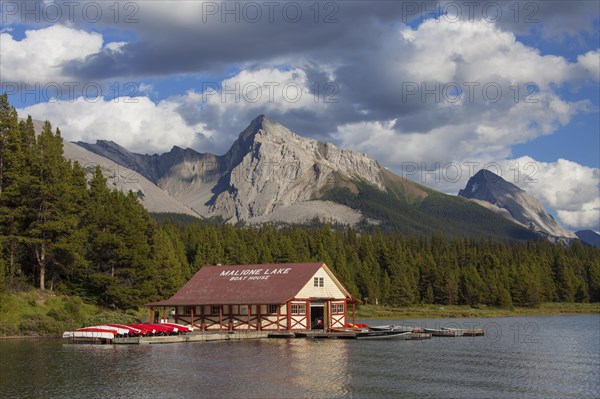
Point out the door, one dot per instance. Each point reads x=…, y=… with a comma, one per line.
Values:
x=317, y=316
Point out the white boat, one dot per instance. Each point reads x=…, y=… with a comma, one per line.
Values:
x=393, y=327
x=90, y=336
x=118, y=330
x=383, y=335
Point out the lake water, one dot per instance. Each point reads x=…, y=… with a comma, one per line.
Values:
x=533, y=357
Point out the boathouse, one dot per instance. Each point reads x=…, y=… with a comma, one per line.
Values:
x=288, y=296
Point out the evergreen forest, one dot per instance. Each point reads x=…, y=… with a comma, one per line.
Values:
x=63, y=229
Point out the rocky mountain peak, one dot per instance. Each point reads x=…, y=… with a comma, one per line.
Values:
x=270, y=167
x=492, y=191
x=262, y=125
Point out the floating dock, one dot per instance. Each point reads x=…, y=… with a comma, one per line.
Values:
x=211, y=336
x=325, y=335
x=192, y=337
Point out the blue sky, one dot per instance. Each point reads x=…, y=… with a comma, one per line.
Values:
x=376, y=77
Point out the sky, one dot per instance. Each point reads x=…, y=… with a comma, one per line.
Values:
x=434, y=90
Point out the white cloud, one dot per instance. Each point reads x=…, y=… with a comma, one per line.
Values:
x=264, y=90
x=116, y=47
x=137, y=124
x=228, y=106
x=587, y=218
x=42, y=54
x=417, y=69
x=569, y=188
x=439, y=135
x=477, y=52
x=372, y=115
x=590, y=61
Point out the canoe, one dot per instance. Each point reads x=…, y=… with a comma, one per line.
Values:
x=146, y=329
x=345, y=330
x=155, y=328
x=180, y=327
x=383, y=335
x=119, y=330
x=166, y=328
x=90, y=336
x=89, y=333
x=132, y=330
x=393, y=327
x=93, y=330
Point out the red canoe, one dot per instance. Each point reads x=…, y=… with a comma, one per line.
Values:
x=131, y=330
x=180, y=327
x=154, y=328
x=145, y=329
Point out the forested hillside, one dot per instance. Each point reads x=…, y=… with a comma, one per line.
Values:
x=62, y=229
x=60, y=233
x=394, y=269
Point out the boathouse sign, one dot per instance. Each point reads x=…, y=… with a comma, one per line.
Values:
x=253, y=274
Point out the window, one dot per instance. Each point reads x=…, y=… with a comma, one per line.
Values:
x=337, y=308
x=243, y=309
x=298, y=308
x=214, y=310
x=272, y=309
x=318, y=281
x=187, y=310
x=321, y=281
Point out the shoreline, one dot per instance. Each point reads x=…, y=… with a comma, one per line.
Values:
x=420, y=317
x=462, y=311
x=374, y=312
x=27, y=337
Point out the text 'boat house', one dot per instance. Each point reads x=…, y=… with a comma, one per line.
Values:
x=288, y=296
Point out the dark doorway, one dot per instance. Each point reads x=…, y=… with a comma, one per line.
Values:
x=316, y=315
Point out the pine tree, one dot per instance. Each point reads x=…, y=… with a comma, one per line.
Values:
x=51, y=224
x=13, y=176
x=10, y=144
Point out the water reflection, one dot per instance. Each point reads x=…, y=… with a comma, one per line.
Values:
x=319, y=368
x=563, y=361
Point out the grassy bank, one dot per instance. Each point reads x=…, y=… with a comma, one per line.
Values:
x=44, y=313
x=437, y=311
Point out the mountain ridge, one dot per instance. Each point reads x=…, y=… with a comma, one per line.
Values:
x=182, y=171
x=271, y=174
x=492, y=191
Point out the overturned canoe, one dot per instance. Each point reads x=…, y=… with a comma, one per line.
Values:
x=90, y=336
x=179, y=327
x=90, y=333
x=132, y=331
x=120, y=331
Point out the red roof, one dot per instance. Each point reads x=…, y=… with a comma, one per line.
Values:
x=247, y=284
